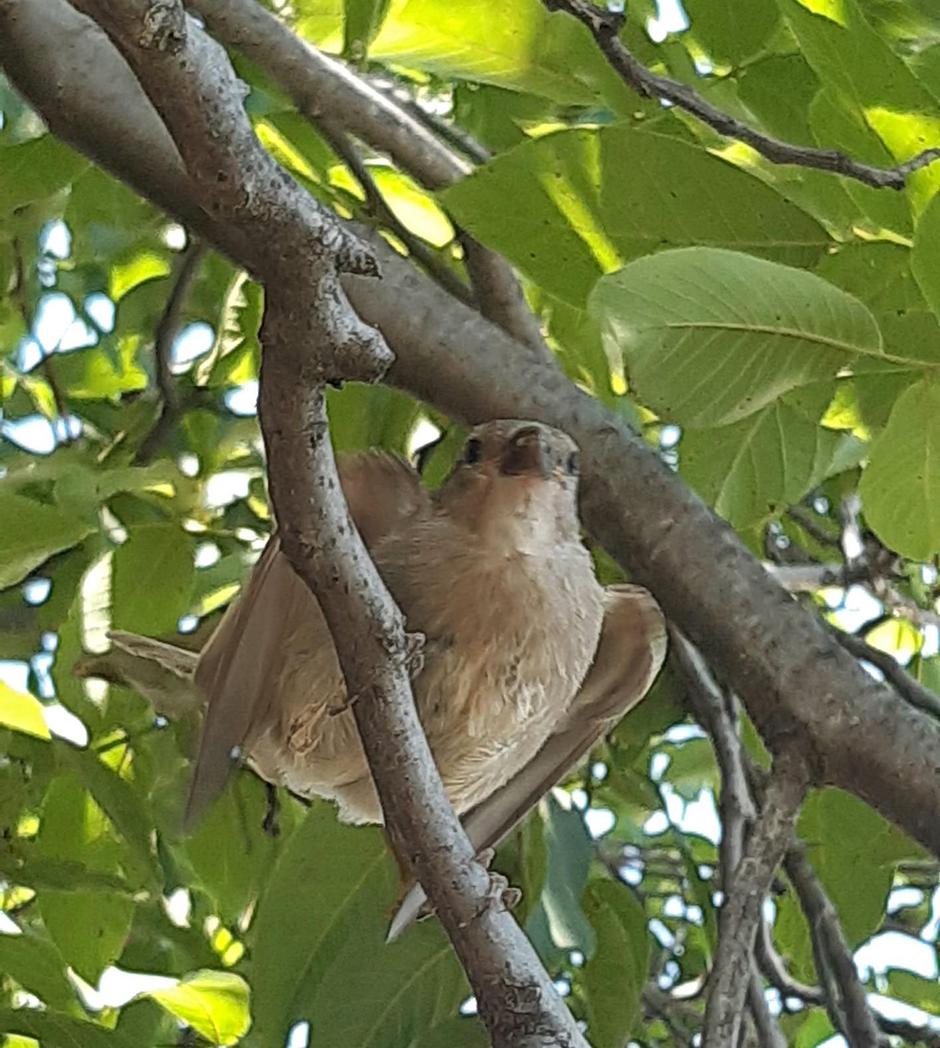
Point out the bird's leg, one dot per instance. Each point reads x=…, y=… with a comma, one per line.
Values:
x=271, y=825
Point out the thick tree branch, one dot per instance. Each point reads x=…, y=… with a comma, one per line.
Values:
x=605, y=26
x=793, y=677
x=326, y=91
x=311, y=336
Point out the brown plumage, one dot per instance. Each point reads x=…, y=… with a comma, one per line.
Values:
x=492, y=571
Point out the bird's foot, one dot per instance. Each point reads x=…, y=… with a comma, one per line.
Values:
x=271, y=824
x=414, y=653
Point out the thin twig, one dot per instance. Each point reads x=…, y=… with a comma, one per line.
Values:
x=168, y=328
x=455, y=136
x=906, y=686
x=845, y=996
x=605, y=27
x=384, y=215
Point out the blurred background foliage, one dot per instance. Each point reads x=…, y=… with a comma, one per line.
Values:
x=799, y=399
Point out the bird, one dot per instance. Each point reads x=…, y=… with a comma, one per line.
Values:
x=527, y=659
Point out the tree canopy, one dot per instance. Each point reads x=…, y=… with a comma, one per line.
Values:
x=771, y=331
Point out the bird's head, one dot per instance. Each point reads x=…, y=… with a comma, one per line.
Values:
x=516, y=482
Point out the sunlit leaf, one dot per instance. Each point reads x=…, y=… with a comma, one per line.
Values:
x=22, y=712
x=214, y=1004
x=561, y=209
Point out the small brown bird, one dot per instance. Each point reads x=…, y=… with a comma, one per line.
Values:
x=527, y=659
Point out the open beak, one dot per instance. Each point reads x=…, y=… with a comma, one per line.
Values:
x=526, y=454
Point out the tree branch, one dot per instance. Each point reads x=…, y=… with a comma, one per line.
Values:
x=770, y=837
x=382, y=213
x=325, y=90
x=168, y=328
x=310, y=336
x=846, y=1000
x=605, y=26
x=793, y=677
x=741, y=919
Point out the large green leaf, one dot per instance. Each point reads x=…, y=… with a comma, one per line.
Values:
x=32, y=532
x=519, y=45
x=569, y=850
x=54, y=1030
x=89, y=928
x=925, y=258
x=750, y=470
x=867, y=79
x=124, y=806
x=853, y=851
x=900, y=489
x=214, y=1004
x=729, y=34
x=229, y=850
x=36, y=169
x=153, y=577
x=319, y=943
x=615, y=976
x=574, y=205
x=712, y=336
x=38, y=967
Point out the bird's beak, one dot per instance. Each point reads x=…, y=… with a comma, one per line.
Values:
x=525, y=454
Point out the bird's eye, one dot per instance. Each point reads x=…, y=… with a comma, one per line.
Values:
x=573, y=465
x=473, y=452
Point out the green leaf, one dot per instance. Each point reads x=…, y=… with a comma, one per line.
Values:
x=925, y=258
x=614, y=977
x=519, y=46
x=22, y=712
x=748, y=330
x=153, y=577
x=230, y=852
x=54, y=1030
x=853, y=851
x=900, y=488
x=867, y=79
x=34, y=170
x=38, y=967
x=750, y=470
x=318, y=942
x=121, y=802
x=915, y=989
x=32, y=533
x=363, y=20
x=214, y=1004
x=570, y=851
x=89, y=928
x=562, y=211
x=730, y=34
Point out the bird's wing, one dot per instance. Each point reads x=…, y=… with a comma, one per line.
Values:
x=239, y=667
x=629, y=654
